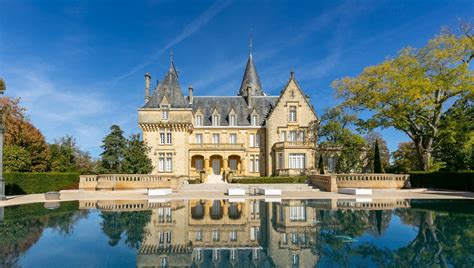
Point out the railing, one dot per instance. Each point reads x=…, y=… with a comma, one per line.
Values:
x=294, y=144
x=370, y=180
x=127, y=181
x=324, y=182
x=216, y=146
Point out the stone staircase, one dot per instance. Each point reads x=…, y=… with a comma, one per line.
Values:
x=215, y=179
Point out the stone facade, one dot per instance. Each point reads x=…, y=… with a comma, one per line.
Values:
x=218, y=137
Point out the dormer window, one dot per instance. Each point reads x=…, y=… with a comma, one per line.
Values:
x=232, y=120
x=254, y=120
x=292, y=114
x=198, y=120
x=165, y=112
x=215, y=120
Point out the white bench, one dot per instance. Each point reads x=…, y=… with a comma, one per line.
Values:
x=159, y=192
x=355, y=191
x=265, y=191
x=235, y=191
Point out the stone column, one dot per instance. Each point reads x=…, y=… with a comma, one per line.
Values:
x=225, y=164
x=206, y=165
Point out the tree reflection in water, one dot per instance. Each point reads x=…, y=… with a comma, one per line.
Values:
x=444, y=233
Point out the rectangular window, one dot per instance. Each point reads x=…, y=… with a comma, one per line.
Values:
x=215, y=120
x=198, y=138
x=215, y=235
x=254, y=163
x=233, y=235
x=253, y=120
x=297, y=213
x=166, y=136
x=232, y=120
x=282, y=135
x=198, y=120
x=161, y=162
x=292, y=136
x=233, y=138
x=169, y=162
x=257, y=164
x=199, y=235
x=216, y=138
x=292, y=115
x=165, y=114
x=162, y=137
x=296, y=161
x=254, y=140
x=281, y=164
x=301, y=135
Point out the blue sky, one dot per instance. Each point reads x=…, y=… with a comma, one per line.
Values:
x=78, y=65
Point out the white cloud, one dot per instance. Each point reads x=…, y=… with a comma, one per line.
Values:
x=58, y=108
x=187, y=31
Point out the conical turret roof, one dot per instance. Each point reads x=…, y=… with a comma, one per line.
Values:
x=251, y=79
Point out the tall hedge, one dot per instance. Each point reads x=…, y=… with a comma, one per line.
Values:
x=461, y=180
x=33, y=183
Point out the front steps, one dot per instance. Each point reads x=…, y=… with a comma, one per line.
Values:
x=223, y=187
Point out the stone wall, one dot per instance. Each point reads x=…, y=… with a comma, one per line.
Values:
x=128, y=181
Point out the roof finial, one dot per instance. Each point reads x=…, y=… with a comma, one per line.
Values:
x=292, y=73
x=250, y=42
x=171, y=55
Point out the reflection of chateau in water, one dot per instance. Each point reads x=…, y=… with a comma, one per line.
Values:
x=203, y=233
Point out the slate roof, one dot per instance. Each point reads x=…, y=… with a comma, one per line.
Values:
x=170, y=88
x=261, y=103
x=224, y=104
x=251, y=79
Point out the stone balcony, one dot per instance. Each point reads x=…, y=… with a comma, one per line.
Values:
x=217, y=146
x=294, y=145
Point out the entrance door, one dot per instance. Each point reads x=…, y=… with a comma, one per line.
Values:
x=216, y=166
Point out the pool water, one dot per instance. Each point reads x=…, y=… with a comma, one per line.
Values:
x=239, y=233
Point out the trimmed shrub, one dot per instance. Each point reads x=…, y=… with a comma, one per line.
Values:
x=268, y=180
x=461, y=180
x=34, y=183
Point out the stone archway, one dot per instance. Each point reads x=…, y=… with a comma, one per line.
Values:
x=216, y=164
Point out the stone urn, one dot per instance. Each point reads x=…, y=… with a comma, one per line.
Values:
x=52, y=196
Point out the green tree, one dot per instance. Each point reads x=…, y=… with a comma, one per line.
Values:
x=370, y=139
x=321, y=165
x=20, y=132
x=405, y=158
x=455, y=147
x=63, y=154
x=16, y=159
x=114, y=146
x=136, y=160
x=377, y=159
x=335, y=131
x=411, y=91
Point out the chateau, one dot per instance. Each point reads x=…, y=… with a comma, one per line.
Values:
x=218, y=137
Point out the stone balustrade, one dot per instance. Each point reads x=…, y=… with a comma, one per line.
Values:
x=216, y=146
x=324, y=182
x=332, y=182
x=128, y=181
x=370, y=180
x=294, y=144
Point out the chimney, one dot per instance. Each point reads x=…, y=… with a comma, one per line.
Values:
x=249, y=95
x=147, y=87
x=190, y=94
